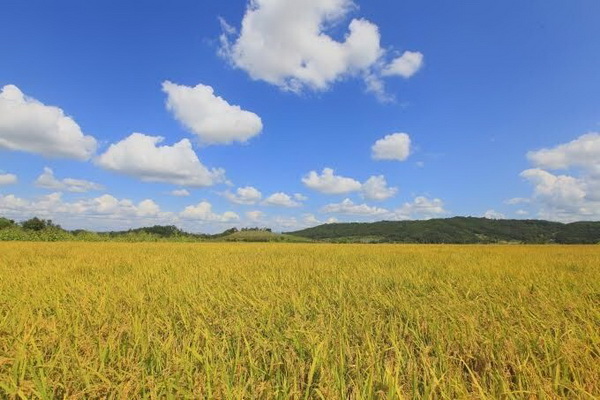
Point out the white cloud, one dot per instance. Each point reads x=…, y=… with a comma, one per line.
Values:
x=330, y=183
x=493, y=214
x=255, y=215
x=517, y=200
x=8, y=179
x=376, y=188
x=311, y=220
x=392, y=147
x=28, y=125
x=347, y=206
x=244, y=195
x=285, y=43
x=47, y=180
x=105, y=209
x=300, y=197
x=209, y=116
x=179, y=193
x=405, y=66
x=421, y=208
x=281, y=199
x=203, y=212
x=564, y=197
x=140, y=156
x=522, y=212
x=582, y=152
x=574, y=195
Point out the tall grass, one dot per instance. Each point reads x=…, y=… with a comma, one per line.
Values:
x=298, y=321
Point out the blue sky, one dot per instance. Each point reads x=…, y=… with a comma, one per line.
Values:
x=480, y=108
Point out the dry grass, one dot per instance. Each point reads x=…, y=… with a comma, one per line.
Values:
x=298, y=321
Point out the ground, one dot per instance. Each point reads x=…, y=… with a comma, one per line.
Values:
x=289, y=320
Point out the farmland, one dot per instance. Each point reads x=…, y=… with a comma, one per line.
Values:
x=300, y=321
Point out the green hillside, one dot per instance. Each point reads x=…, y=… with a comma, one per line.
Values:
x=457, y=230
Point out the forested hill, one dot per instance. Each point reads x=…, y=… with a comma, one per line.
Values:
x=457, y=230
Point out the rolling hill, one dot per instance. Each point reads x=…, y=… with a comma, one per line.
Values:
x=457, y=230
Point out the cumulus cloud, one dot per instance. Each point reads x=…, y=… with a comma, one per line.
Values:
x=582, y=152
x=8, y=179
x=203, y=212
x=47, y=180
x=209, y=116
x=281, y=199
x=28, y=125
x=329, y=183
x=347, y=206
x=517, y=200
x=421, y=208
x=392, y=147
x=405, y=66
x=285, y=43
x=575, y=194
x=244, y=195
x=493, y=214
x=255, y=215
x=106, y=209
x=140, y=156
x=564, y=197
x=300, y=197
x=109, y=212
x=376, y=188
x=179, y=193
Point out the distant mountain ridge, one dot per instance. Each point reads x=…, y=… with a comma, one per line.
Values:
x=460, y=230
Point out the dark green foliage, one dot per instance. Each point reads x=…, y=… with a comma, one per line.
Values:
x=5, y=223
x=579, y=232
x=38, y=224
x=461, y=230
x=163, y=231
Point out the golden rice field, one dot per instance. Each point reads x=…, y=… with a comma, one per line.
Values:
x=298, y=321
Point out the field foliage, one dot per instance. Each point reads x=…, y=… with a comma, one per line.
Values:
x=298, y=321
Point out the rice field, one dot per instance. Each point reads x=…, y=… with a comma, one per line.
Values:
x=298, y=321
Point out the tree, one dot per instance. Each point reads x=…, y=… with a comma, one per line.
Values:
x=38, y=224
x=5, y=222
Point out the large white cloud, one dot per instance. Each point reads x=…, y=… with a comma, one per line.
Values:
x=107, y=210
x=582, y=152
x=564, y=197
x=28, y=125
x=209, y=116
x=329, y=183
x=285, y=43
x=574, y=195
x=376, y=188
x=421, y=208
x=8, y=179
x=392, y=147
x=203, y=212
x=244, y=195
x=47, y=180
x=140, y=156
x=281, y=199
x=347, y=206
